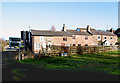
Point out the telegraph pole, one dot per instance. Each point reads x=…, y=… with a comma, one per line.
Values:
x=29, y=35
x=29, y=39
x=24, y=38
x=19, y=49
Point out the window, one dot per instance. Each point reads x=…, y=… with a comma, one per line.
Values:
x=62, y=44
x=79, y=44
x=86, y=38
x=98, y=37
x=105, y=37
x=111, y=37
x=86, y=44
x=67, y=44
x=41, y=38
x=65, y=39
x=105, y=43
x=73, y=37
x=14, y=44
x=73, y=44
x=37, y=45
x=50, y=44
x=15, y=39
x=99, y=44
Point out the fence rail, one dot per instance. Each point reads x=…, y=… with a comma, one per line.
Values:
x=56, y=50
x=92, y=49
x=84, y=49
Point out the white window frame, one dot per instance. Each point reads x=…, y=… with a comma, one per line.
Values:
x=37, y=46
x=50, y=44
x=41, y=38
x=73, y=37
x=99, y=38
x=34, y=45
x=86, y=37
x=67, y=44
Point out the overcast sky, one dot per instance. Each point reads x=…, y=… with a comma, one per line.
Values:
x=17, y=16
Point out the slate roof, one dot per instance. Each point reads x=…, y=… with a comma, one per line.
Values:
x=56, y=33
x=70, y=30
x=94, y=32
x=49, y=33
x=78, y=33
x=68, y=33
x=85, y=28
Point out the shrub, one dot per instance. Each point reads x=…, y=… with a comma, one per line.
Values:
x=80, y=50
x=7, y=43
x=3, y=47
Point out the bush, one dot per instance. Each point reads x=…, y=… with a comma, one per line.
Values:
x=3, y=49
x=80, y=50
x=7, y=43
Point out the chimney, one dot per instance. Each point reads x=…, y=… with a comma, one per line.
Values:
x=88, y=28
x=111, y=30
x=63, y=28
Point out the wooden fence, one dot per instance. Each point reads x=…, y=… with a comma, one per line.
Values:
x=57, y=50
x=84, y=49
x=92, y=49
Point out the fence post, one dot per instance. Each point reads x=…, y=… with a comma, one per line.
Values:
x=103, y=49
x=88, y=50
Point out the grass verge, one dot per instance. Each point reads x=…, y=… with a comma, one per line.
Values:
x=105, y=62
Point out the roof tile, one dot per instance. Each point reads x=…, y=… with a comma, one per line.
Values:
x=94, y=32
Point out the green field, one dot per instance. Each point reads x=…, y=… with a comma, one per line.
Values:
x=103, y=62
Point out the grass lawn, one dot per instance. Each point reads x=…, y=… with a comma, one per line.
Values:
x=105, y=62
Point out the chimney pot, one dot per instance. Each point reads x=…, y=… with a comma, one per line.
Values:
x=88, y=28
x=111, y=30
x=64, y=28
x=63, y=25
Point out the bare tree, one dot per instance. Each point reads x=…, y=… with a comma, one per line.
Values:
x=53, y=28
x=4, y=42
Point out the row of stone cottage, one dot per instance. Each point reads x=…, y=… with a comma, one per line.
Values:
x=67, y=37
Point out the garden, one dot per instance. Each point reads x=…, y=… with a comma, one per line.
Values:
x=103, y=62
